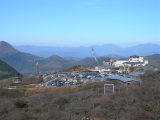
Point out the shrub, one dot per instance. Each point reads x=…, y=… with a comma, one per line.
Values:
x=61, y=102
x=20, y=104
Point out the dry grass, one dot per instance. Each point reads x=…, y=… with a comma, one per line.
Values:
x=38, y=89
x=55, y=103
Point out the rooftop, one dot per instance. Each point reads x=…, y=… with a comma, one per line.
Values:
x=121, y=78
x=137, y=73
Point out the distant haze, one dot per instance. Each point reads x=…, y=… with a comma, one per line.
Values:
x=100, y=50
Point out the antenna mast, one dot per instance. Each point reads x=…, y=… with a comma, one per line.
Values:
x=37, y=68
x=93, y=51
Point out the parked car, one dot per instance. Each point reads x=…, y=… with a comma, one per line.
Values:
x=12, y=87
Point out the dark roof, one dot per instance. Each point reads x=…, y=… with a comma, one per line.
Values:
x=134, y=56
x=123, y=79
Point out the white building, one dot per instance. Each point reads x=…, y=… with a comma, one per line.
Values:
x=133, y=61
x=105, y=69
x=112, y=66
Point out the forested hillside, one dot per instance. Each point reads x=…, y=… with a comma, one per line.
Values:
x=7, y=71
x=91, y=61
x=154, y=60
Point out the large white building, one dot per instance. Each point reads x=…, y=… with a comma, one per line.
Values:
x=111, y=66
x=133, y=61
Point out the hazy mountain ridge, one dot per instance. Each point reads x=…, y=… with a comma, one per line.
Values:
x=7, y=51
x=45, y=51
x=25, y=63
x=82, y=52
x=113, y=56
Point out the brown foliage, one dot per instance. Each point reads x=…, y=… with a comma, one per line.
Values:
x=131, y=102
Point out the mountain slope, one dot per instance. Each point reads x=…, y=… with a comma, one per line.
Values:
x=54, y=63
x=18, y=60
x=49, y=64
x=25, y=63
x=7, y=71
x=154, y=60
x=142, y=50
x=91, y=61
x=6, y=49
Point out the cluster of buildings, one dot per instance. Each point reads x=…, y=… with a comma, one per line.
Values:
x=108, y=71
x=121, y=66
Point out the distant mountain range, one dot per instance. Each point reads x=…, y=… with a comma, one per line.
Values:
x=25, y=63
x=81, y=52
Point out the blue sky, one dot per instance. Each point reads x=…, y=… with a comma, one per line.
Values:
x=80, y=22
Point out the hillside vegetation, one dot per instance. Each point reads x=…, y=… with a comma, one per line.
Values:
x=18, y=60
x=6, y=71
x=133, y=102
x=77, y=68
x=154, y=60
x=91, y=61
